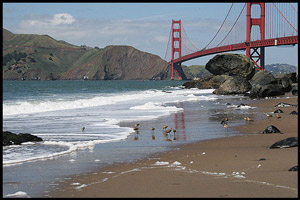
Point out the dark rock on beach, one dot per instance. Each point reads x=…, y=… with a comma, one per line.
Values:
x=264, y=84
x=293, y=113
x=293, y=169
x=271, y=129
x=10, y=138
x=295, y=89
x=233, y=85
x=286, y=143
x=282, y=105
x=278, y=111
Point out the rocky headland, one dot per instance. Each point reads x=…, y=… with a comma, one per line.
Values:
x=41, y=57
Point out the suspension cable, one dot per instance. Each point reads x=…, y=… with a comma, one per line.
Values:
x=233, y=25
x=285, y=18
x=294, y=8
x=168, y=42
x=220, y=26
x=189, y=38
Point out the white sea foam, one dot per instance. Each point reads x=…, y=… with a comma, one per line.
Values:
x=27, y=107
x=19, y=194
x=47, y=119
x=161, y=163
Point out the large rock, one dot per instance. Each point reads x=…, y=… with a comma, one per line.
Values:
x=286, y=84
x=264, y=84
x=10, y=138
x=233, y=85
x=211, y=82
x=286, y=143
x=295, y=89
x=232, y=65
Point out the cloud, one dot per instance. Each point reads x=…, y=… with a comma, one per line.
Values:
x=62, y=18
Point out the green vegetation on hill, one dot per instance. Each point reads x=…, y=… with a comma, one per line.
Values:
x=40, y=57
x=195, y=71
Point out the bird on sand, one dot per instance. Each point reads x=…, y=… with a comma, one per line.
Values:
x=153, y=137
x=268, y=115
x=166, y=133
x=278, y=116
x=248, y=119
x=224, y=120
x=82, y=129
x=226, y=126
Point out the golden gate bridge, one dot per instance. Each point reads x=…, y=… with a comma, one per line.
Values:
x=256, y=26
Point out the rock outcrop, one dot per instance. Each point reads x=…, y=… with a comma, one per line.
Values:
x=10, y=138
x=233, y=85
x=235, y=74
x=264, y=84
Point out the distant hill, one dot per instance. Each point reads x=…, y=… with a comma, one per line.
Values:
x=195, y=71
x=281, y=68
x=41, y=57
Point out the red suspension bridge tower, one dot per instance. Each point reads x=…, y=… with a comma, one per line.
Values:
x=176, y=45
x=255, y=55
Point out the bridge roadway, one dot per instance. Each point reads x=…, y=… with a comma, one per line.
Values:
x=290, y=40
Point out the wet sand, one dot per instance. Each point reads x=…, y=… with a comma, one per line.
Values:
x=239, y=166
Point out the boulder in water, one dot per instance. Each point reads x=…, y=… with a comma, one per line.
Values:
x=10, y=138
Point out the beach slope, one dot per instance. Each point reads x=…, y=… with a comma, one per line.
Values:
x=239, y=166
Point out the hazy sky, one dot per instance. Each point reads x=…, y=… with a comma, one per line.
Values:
x=145, y=26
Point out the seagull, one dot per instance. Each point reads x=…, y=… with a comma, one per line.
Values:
x=278, y=116
x=248, y=119
x=224, y=120
x=82, y=129
x=153, y=137
x=268, y=115
x=167, y=131
x=226, y=126
x=136, y=125
x=135, y=128
x=165, y=127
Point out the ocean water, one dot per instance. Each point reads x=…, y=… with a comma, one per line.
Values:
x=56, y=111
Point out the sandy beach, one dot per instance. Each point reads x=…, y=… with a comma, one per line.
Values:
x=239, y=166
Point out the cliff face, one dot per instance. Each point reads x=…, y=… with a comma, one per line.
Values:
x=40, y=57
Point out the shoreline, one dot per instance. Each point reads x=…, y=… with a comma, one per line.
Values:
x=237, y=166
